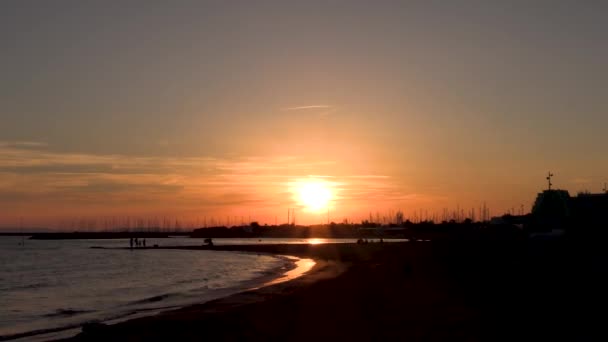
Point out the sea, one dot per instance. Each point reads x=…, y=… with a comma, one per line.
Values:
x=49, y=288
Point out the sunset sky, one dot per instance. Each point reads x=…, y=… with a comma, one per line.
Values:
x=194, y=109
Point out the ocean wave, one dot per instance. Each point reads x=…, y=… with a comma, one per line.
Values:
x=152, y=299
x=118, y=285
x=67, y=313
x=23, y=287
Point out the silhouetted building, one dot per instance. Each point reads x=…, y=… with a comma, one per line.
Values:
x=557, y=210
x=551, y=210
x=590, y=210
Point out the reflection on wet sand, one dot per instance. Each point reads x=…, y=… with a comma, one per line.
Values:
x=302, y=267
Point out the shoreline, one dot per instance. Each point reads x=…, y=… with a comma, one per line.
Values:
x=288, y=270
x=329, y=259
x=316, y=267
x=475, y=290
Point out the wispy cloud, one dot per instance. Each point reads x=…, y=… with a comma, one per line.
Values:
x=39, y=174
x=24, y=144
x=368, y=176
x=37, y=178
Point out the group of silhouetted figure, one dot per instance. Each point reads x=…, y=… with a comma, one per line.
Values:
x=137, y=242
x=366, y=241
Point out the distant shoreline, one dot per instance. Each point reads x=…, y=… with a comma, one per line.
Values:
x=509, y=228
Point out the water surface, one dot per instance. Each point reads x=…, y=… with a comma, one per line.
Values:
x=62, y=283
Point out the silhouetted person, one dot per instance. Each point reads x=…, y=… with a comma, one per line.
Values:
x=144, y=242
x=131, y=243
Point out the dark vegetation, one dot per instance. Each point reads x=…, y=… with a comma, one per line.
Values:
x=423, y=230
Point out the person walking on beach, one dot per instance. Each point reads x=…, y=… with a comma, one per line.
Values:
x=144, y=243
x=131, y=243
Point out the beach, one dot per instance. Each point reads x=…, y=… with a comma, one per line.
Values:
x=431, y=291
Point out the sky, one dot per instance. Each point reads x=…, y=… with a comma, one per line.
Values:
x=216, y=111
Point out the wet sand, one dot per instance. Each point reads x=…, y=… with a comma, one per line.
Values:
x=435, y=291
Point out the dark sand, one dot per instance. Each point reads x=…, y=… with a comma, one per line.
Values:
x=425, y=291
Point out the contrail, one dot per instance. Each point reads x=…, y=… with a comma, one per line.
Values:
x=308, y=107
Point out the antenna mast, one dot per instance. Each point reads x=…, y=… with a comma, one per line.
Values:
x=549, y=179
x=291, y=216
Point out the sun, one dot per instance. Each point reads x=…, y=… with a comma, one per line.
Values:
x=314, y=195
